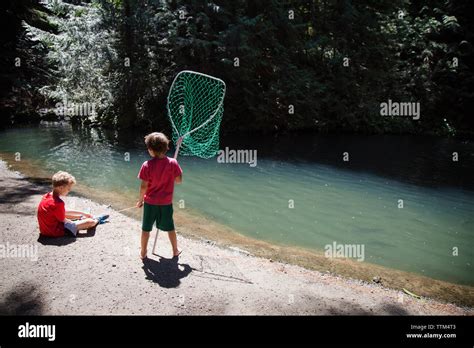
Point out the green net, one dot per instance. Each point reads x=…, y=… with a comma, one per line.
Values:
x=195, y=108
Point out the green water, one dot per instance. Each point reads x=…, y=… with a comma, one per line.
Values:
x=353, y=203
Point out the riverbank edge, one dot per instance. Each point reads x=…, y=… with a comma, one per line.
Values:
x=194, y=226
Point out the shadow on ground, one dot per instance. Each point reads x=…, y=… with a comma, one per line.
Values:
x=23, y=189
x=166, y=272
x=24, y=300
x=354, y=309
x=60, y=241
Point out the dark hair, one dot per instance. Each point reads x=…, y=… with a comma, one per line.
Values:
x=157, y=142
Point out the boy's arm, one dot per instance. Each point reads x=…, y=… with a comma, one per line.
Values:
x=74, y=214
x=60, y=213
x=178, y=174
x=143, y=187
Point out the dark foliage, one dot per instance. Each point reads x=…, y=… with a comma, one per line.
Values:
x=289, y=65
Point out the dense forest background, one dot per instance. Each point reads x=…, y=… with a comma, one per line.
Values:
x=302, y=65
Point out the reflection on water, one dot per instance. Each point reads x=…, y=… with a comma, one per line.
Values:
x=423, y=160
x=354, y=202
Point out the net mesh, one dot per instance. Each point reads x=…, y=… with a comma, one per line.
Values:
x=195, y=108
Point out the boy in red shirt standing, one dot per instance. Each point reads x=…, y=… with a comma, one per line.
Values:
x=53, y=219
x=158, y=176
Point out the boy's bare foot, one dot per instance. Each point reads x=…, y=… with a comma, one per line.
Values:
x=177, y=252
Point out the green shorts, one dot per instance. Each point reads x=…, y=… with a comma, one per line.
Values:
x=161, y=214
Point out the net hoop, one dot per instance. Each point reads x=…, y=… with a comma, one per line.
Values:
x=221, y=102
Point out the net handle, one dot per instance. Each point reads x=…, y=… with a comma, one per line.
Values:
x=178, y=145
x=180, y=139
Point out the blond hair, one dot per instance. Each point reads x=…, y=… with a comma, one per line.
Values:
x=62, y=179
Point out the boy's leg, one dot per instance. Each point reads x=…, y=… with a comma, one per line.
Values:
x=166, y=223
x=144, y=244
x=85, y=224
x=149, y=218
x=72, y=227
x=174, y=242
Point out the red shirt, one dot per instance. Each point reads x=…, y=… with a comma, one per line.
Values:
x=51, y=214
x=160, y=174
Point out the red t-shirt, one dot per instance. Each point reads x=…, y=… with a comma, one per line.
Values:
x=160, y=174
x=51, y=214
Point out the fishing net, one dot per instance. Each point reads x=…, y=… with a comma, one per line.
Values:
x=195, y=109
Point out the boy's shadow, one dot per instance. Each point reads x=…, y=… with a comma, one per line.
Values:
x=66, y=239
x=166, y=271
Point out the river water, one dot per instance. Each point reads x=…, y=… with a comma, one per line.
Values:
x=402, y=197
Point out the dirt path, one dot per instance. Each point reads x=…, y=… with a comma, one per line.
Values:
x=102, y=274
